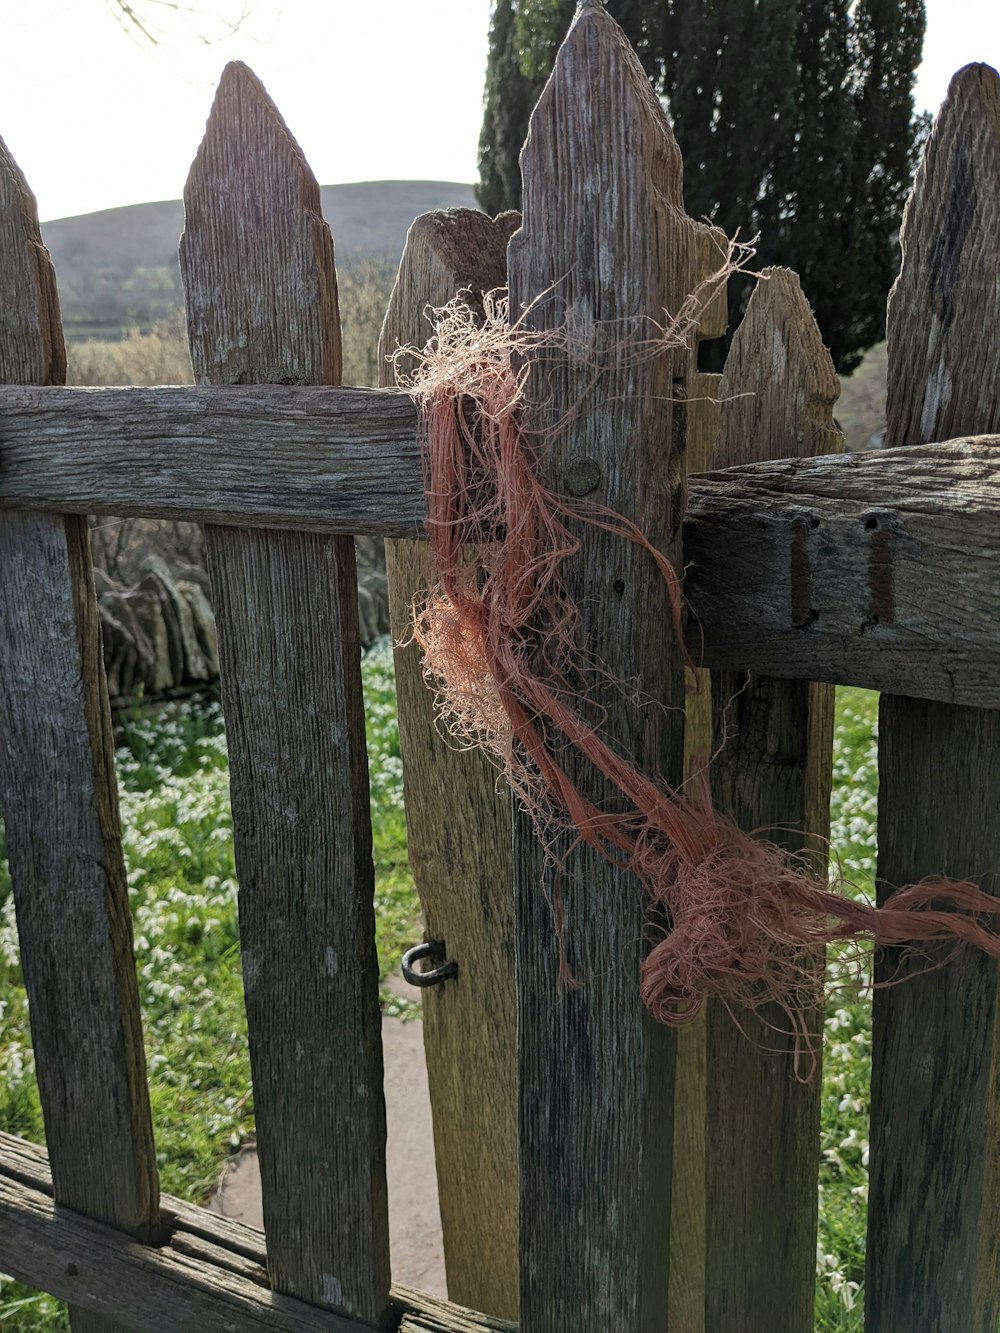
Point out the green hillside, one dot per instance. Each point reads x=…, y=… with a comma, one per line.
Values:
x=117, y=269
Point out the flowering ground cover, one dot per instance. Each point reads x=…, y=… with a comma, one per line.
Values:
x=173, y=777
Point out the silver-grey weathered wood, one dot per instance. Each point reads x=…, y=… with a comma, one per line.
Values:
x=328, y=459
x=604, y=245
x=458, y=824
x=686, y=1295
x=771, y=773
x=934, y=1201
x=878, y=570
x=257, y=261
x=894, y=589
x=60, y=805
x=210, y=1272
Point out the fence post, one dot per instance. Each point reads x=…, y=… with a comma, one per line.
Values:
x=686, y=1297
x=604, y=243
x=60, y=804
x=771, y=773
x=257, y=260
x=934, y=1213
x=459, y=840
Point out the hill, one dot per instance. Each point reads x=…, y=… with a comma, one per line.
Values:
x=118, y=268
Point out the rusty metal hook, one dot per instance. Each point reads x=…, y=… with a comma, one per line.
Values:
x=434, y=950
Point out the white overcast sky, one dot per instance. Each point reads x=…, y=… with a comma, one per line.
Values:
x=372, y=89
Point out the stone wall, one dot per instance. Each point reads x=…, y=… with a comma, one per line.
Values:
x=154, y=596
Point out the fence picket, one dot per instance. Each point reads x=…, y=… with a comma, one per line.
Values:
x=60, y=804
x=934, y=1222
x=459, y=839
x=257, y=260
x=604, y=242
x=771, y=772
x=686, y=1295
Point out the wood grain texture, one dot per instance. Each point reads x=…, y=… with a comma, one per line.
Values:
x=458, y=822
x=934, y=1210
x=686, y=1295
x=210, y=1272
x=942, y=325
x=257, y=261
x=895, y=589
x=60, y=804
x=319, y=458
x=32, y=350
x=771, y=772
x=605, y=237
x=890, y=585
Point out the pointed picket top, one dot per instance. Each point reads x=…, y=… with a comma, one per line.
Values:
x=604, y=254
x=944, y=311
x=779, y=385
x=447, y=250
x=31, y=336
x=570, y=126
x=934, y=1068
x=605, y=246
x=253, y=194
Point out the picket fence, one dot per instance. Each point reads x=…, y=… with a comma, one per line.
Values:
x=597, y=1172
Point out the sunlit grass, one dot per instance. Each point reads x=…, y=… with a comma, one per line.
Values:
x=847, y=1048
x=177, y=838
x=173, y=775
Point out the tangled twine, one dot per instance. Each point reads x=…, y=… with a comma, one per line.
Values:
x=748, y=923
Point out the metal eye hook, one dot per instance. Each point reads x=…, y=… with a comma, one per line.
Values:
x=435, y=951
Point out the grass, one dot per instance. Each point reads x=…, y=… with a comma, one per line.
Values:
x=173, y=777
x=847, y=1048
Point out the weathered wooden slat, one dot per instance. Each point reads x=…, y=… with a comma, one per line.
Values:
x=890, y=585
x=604, y=243
x=892, y=588
x=257, y=261
x=103, y=1272
x=459, y=837
x=934, y=1211
x=771, y=772
x=210, y=1274
x=686, y=1295
x=60, y=804
x=326, y=459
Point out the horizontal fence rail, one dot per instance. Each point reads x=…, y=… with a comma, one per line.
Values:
x=209, y=1273
x=878, y=569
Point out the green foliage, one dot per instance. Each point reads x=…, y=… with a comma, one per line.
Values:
x=22, y=1309
x=173, y=776
x=795, y=119
x=847, y=1047
x=507, y=103
x=177, y=837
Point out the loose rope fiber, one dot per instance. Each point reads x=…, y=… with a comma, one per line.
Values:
x=747, y=923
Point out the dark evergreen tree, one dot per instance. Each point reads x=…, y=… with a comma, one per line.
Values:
x=509, y=98
x=795, y=118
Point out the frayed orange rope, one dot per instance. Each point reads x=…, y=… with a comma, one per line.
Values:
x=748, y=922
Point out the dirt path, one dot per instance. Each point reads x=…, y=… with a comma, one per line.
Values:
x=414, y=1223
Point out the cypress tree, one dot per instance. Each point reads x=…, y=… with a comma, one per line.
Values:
x=507, y=105
x=795, y=119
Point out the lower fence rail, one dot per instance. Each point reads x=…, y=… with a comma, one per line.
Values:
x=209, y=1272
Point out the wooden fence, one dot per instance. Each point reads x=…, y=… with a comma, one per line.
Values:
x=597, y=1172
